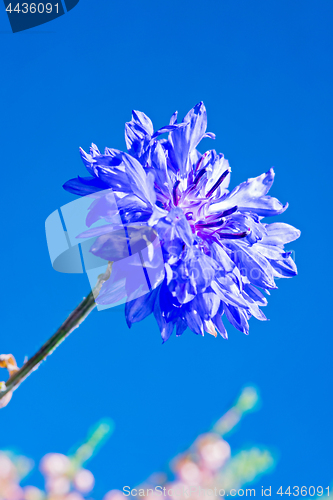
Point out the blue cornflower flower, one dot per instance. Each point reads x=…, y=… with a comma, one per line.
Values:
x=218, y=254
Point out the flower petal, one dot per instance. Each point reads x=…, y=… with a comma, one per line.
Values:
x=193, y=320
x=166, y=328
x=237, y=318
x=138, y=133
x=138, y=309
x=285, y=268
x=207, y=304
x=217, y=320
x=253, y=265
x=279, y=233
x=184, y=140
x=83, y=186
x=168, y=128
x=159, y=165
x=250, y=196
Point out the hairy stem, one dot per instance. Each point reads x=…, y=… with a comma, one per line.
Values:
x=73, y=321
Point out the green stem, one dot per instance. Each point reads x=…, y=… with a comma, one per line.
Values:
x=72, y=322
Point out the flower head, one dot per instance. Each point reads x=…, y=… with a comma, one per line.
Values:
x=218, y=254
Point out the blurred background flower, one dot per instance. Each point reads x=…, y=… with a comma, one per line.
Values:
x=65, y=476
x=207, y=463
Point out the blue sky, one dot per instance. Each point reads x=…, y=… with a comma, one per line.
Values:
x=264, y=72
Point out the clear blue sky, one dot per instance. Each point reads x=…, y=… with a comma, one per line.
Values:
x=264, y=72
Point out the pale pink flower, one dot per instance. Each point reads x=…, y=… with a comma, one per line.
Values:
x=7, y=468
x=84, y=481
x=214, y=451
x=33, y=493
x=113, y=495
x=58, y=485
x=55, y=464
